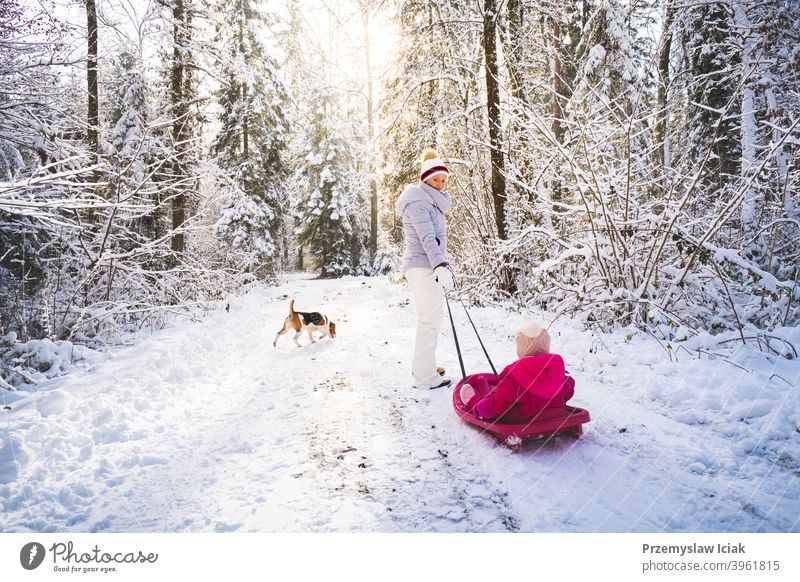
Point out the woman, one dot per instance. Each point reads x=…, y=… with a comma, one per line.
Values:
x=423, y=208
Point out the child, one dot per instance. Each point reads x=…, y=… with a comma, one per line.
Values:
x=524, y=388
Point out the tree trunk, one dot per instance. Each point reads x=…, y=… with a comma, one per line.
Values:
x=781, y=161
x=660, y=129
x=493, y=110
x=515, y=54
x=490, y=17
x=373, y=195
x=91, y=78
x=243, y=96
x=559, y=87
x=92, y=113
x=518, y=144
x=245, y=129
x=179, y=119
x=559, y=93
x=753, y=199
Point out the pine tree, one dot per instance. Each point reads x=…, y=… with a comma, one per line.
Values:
x=135, y=150
x=325, y=208
x=252, y=140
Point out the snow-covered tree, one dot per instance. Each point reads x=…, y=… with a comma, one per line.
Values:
x=250, y=146
x=326, y=205
x=135, y=150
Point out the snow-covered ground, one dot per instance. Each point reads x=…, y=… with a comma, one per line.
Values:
x=206, y=427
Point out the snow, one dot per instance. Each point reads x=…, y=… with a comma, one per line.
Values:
x=597, y=55
x=206, y=427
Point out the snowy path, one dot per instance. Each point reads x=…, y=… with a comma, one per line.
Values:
x=207, y=427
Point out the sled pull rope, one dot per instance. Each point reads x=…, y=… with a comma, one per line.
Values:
x=455, y=337
x=485, y=353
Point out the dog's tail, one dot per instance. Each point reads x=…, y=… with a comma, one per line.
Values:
x=291, y=307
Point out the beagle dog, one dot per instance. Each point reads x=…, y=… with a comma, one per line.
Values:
x=310, y=322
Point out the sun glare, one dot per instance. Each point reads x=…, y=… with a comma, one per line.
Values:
x=384, y=39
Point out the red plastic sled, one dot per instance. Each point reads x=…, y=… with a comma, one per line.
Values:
x=549, y=422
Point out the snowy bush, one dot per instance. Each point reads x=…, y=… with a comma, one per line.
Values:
x=25, y=364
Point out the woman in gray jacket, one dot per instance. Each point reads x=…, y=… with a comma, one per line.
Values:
x=423, y=208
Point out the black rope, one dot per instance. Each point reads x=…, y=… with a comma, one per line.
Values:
x=479, y=337
x=455, y=337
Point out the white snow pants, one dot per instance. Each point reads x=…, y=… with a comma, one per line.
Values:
x=429, y=306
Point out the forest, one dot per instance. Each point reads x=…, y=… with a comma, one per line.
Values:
x=621, y=162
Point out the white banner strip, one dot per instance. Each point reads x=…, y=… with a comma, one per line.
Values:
x=406, y=557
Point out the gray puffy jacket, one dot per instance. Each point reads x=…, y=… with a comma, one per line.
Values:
x=422, y=209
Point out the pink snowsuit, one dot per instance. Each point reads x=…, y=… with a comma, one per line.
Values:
x=522, y=390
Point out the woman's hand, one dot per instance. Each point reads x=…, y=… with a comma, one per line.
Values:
x=444, y=276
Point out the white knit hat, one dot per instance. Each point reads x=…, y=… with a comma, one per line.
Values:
x=532, y=340
x=432, y=164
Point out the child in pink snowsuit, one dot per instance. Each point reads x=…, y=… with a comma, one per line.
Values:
x=524, y=388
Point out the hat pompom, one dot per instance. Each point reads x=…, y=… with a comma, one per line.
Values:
x=429, y=154
x=531, y=329
x=532, y=339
